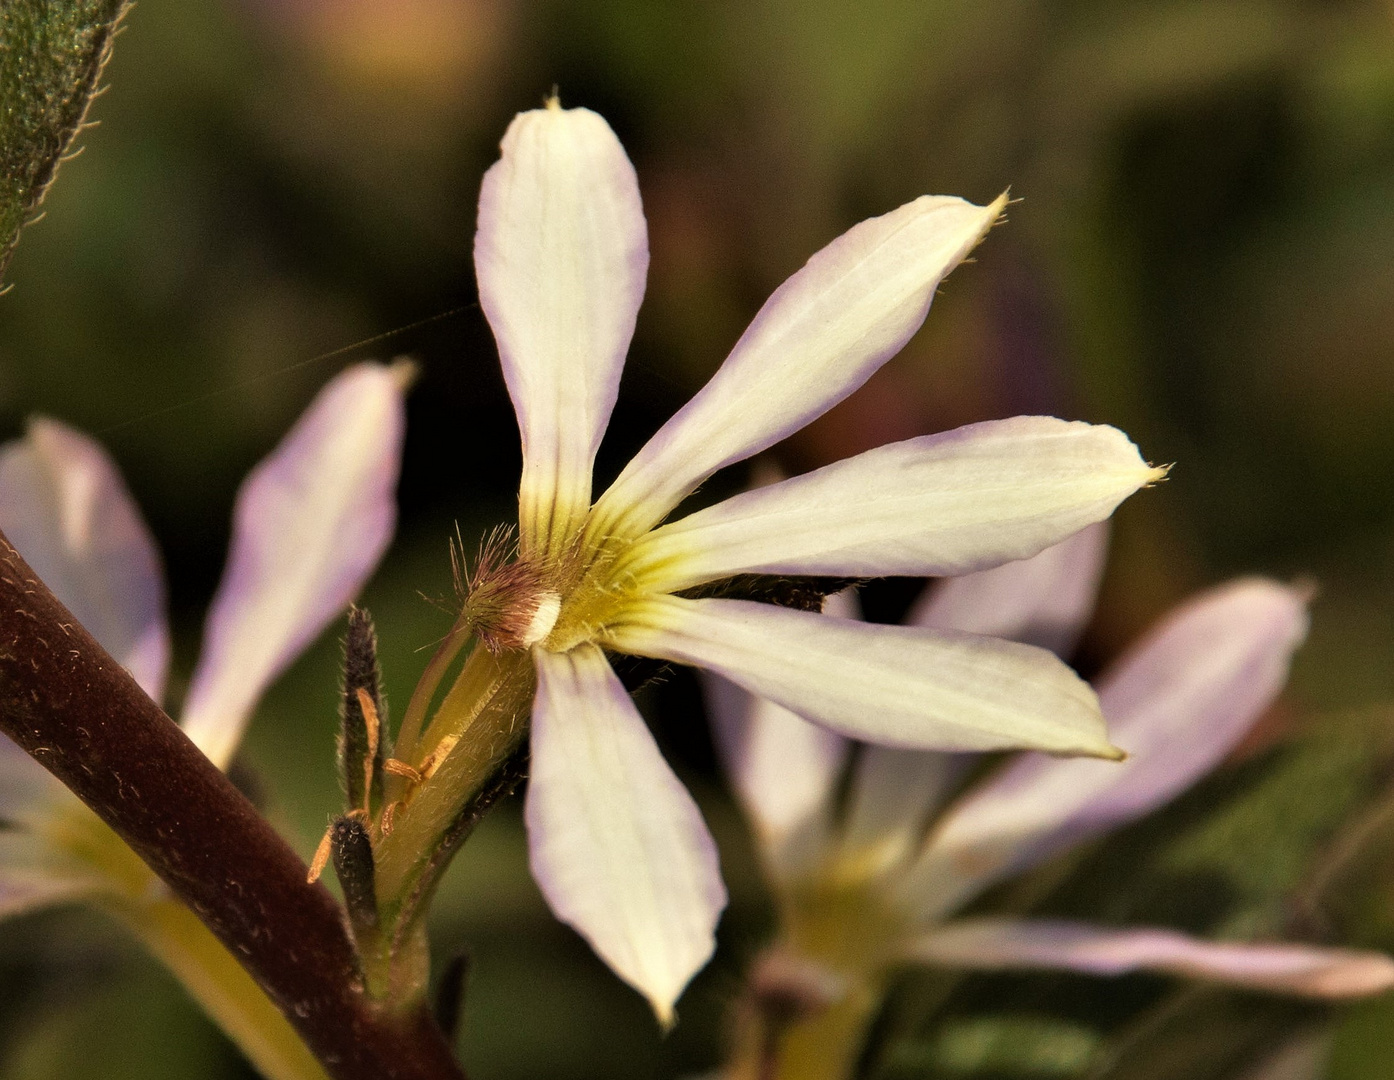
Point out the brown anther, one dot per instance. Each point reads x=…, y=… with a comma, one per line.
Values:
x=321, y=859
x=438, y=755
x=374, y=728
x=389, y=814
x=401, y=768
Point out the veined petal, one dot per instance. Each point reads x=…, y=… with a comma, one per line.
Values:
x=1045, y=600
x=894, y=685
x=66, y=509
x=944, y=504
x=782, y=767
x=1072, y=946
x=561, y=255
x=311, y=522
x=1177, y=702
x=818, y=337
x=615, y=842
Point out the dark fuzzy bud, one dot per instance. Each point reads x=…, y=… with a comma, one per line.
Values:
x=361, y=748
x=352, y=851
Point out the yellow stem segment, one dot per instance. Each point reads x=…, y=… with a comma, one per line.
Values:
x=220, y=985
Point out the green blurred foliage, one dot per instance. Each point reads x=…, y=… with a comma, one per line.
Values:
x=1202, y=254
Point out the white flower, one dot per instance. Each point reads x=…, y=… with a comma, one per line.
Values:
x=617, y=845
x=310, y=525
x=1178, y=702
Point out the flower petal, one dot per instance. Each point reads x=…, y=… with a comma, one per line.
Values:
x=818, y=337
x=1045, y=600
x=26, y=787
x=561, y=255
x=615, y=842
x=944, y=504
x=893, y=792
x=895, y=685
x=31, y=876
x=1177, y=702
x=311, y=522
x=1282, y=968
x=782, y=767
x=66, y=509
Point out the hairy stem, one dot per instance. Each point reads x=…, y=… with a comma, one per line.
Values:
x=66, y=702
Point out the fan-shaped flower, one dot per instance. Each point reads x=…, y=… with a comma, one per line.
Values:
x=310, y=525
x=870, y=886
x=561, y=254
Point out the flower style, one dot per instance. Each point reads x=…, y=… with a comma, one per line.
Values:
x=616, y=843
x=871, y=887
x=310, y=525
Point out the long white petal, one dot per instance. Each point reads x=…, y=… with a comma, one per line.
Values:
x=895, y=685
x=66, y=509
x=1045, y=600
x=944, y=504
x=1282, y=968
x=26, y=787
x=561, y=255
x=782, y=768
x=34, y=875
x=1177, y=702
x=818, y=337
x=615, y=842
x=893, y=792
x=311, y=523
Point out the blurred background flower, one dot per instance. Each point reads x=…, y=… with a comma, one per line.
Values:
x=1203, y=255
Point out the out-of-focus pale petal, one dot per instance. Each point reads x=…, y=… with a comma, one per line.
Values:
x=1284, y=968
x=311, y=522
x=945, y=504
x=1177, y=703
x=26, y=787
x=893, y=792
x=33, y=876
x=66, y=509
x=894, y=685
x=781, y=766
x=615, y=842
x=561, y=255
x=818, y=337
x=1301, y=1058
x=1045, y=600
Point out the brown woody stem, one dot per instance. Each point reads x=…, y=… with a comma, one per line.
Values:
x=80, y=715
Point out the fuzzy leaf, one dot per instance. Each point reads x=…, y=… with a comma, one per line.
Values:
x=51, y=58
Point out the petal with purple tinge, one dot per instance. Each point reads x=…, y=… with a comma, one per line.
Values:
x=65, y=508
x=1045, y=600
x=895, y=685
x=888, y=806
x=311, y=523
x=944, y=504
x=1177, y=702
x=819, y=337
x=561, y=255
x=26, y=787
x=615, y=842
x=1281, y=968
x=782, y=767
x=33, y=876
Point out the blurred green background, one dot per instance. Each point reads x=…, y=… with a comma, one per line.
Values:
x=1202, y=254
